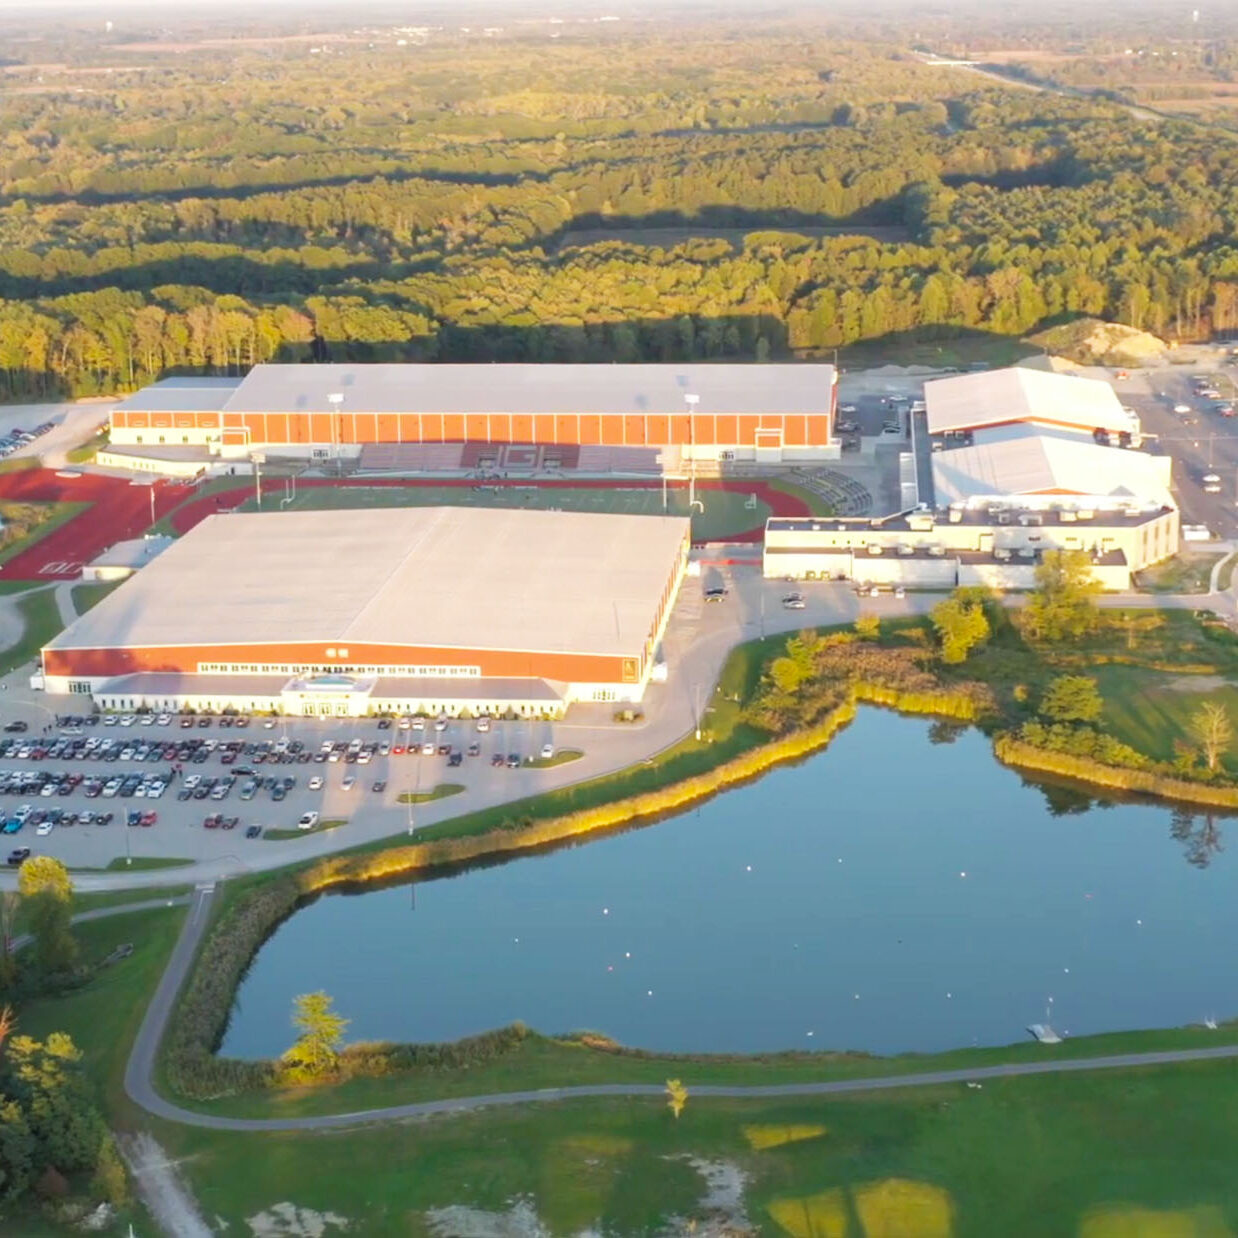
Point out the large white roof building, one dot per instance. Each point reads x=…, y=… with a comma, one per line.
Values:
x=410, y=594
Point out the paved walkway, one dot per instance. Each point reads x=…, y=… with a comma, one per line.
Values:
x=140, y=1069
x=102, y=913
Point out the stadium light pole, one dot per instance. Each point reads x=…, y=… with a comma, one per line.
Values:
x=336, y=400
x=259, y=460
x=691, y=401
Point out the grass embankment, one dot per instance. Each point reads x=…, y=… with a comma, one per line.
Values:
x=40, y=617
x=90, y=448
x=142, y=863
x=1187, y=572
x=1076, y=1155
x=28, y=523
x=441, y=792
x=274, y=835
x=86, y=596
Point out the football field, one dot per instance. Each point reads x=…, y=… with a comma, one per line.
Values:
x=725, y=514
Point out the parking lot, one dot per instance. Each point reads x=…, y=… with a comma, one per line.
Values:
x=160, y=776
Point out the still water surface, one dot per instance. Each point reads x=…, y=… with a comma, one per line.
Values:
x=888, y=894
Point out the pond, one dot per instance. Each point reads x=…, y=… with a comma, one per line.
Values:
x=890, y=893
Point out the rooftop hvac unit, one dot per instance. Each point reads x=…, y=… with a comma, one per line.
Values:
x=1025, y=552
x=1085, y=513
x=920, y=523
x=1003, y=517
x=906, y=550
x=874, y=549
x=956, y=515
x=1067, y=516
x=937, y=551
x=1001, y=554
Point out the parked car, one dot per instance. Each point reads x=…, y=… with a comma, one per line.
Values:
x=548, y=751
x=18, y=856
x=307, y=821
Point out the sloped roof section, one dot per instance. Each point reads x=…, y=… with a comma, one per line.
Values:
x=553, y=389
x=1024, y=460
x=996, y=397
x=444, y=577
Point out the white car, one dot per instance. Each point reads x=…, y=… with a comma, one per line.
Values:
x=110, y=719
x=307, y=821
x=348, y=783
x=43, y=829
x=440, y=723
x=315, y=783
x=127, y=720
x=428, y=749
x=164, y=719
x=483, y=724
x=404, y=724
x=548, y=750
x=1183, y=409
x=147, y=720
x=419, y=724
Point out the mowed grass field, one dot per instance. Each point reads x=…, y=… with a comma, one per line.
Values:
x=726, y=513
x=1084, y=1156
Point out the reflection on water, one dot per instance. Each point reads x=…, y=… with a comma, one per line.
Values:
x=899, y=891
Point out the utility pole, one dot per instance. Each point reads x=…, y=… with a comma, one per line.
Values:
x=259, y=459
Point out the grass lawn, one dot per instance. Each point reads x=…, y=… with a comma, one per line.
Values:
x=562, y=757
x=86, y=596
x=726, y=512
x=273, y=835
x=1188, y=572
x=1054, y=1156
x=140, y=862
x=50, y=516
x=93, y=900
x=88, y=450
x=41, y=617
x=441, y=792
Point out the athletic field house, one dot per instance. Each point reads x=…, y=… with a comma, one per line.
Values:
x=451, y=610
x=1008, y=464
x=529, y=418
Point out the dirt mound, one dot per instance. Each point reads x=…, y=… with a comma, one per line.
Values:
x=1093, y=342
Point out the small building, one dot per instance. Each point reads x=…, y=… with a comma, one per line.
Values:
x=121, y=560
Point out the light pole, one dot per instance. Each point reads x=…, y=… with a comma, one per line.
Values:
x=152, y=502
x=691, y=401
x=336, y=400
x=259, y=460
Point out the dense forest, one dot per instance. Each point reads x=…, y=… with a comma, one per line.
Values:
x=614, y=192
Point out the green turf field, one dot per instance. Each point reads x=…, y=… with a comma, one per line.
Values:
x=726, y=512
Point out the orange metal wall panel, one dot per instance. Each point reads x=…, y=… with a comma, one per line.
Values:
x=727, y=430
x=634, y=431
x=276, y=428
x=139, y=421
x=590, y=429
x=386, y=428
x=544, y=429
x=494, y=663
x=704, y=433
x=475, y=428
x=794, y=435
x=366, y=428
x=659, y=428
x=521, y=428
x=818, y=430
x=453, y=427
x=747, y=431
x=566, y=429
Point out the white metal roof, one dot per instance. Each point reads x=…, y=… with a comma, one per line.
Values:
x=1027, y=459
x=181, y=395
x=455, y=577
x=1021, y=394
x=434, y=388
x=135, y=552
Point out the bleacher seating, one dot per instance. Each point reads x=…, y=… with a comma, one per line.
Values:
x=410, y=457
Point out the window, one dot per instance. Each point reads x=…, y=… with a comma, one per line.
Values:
x=80, y=687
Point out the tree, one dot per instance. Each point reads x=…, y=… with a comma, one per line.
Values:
x=1062, y=607
x=316, y=1052
x=1072, y=698
x=1212, y=730
x=961, y=626
x=44, y=874
x=868, y=627
x=676, y=1096
x=50, y=920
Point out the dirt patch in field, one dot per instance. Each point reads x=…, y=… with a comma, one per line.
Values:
x=287, y=1220
x=457, y=1221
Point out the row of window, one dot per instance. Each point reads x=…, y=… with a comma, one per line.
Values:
x=302, y=668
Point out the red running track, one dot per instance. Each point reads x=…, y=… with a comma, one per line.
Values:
x=120, y=510
x=117, y=510
x=780, y=503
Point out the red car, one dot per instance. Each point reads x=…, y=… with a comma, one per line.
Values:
x=212, y=822
x=149, y=818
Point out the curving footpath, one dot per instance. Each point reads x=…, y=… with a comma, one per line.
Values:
x=139, y=1071
x=101, y=913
